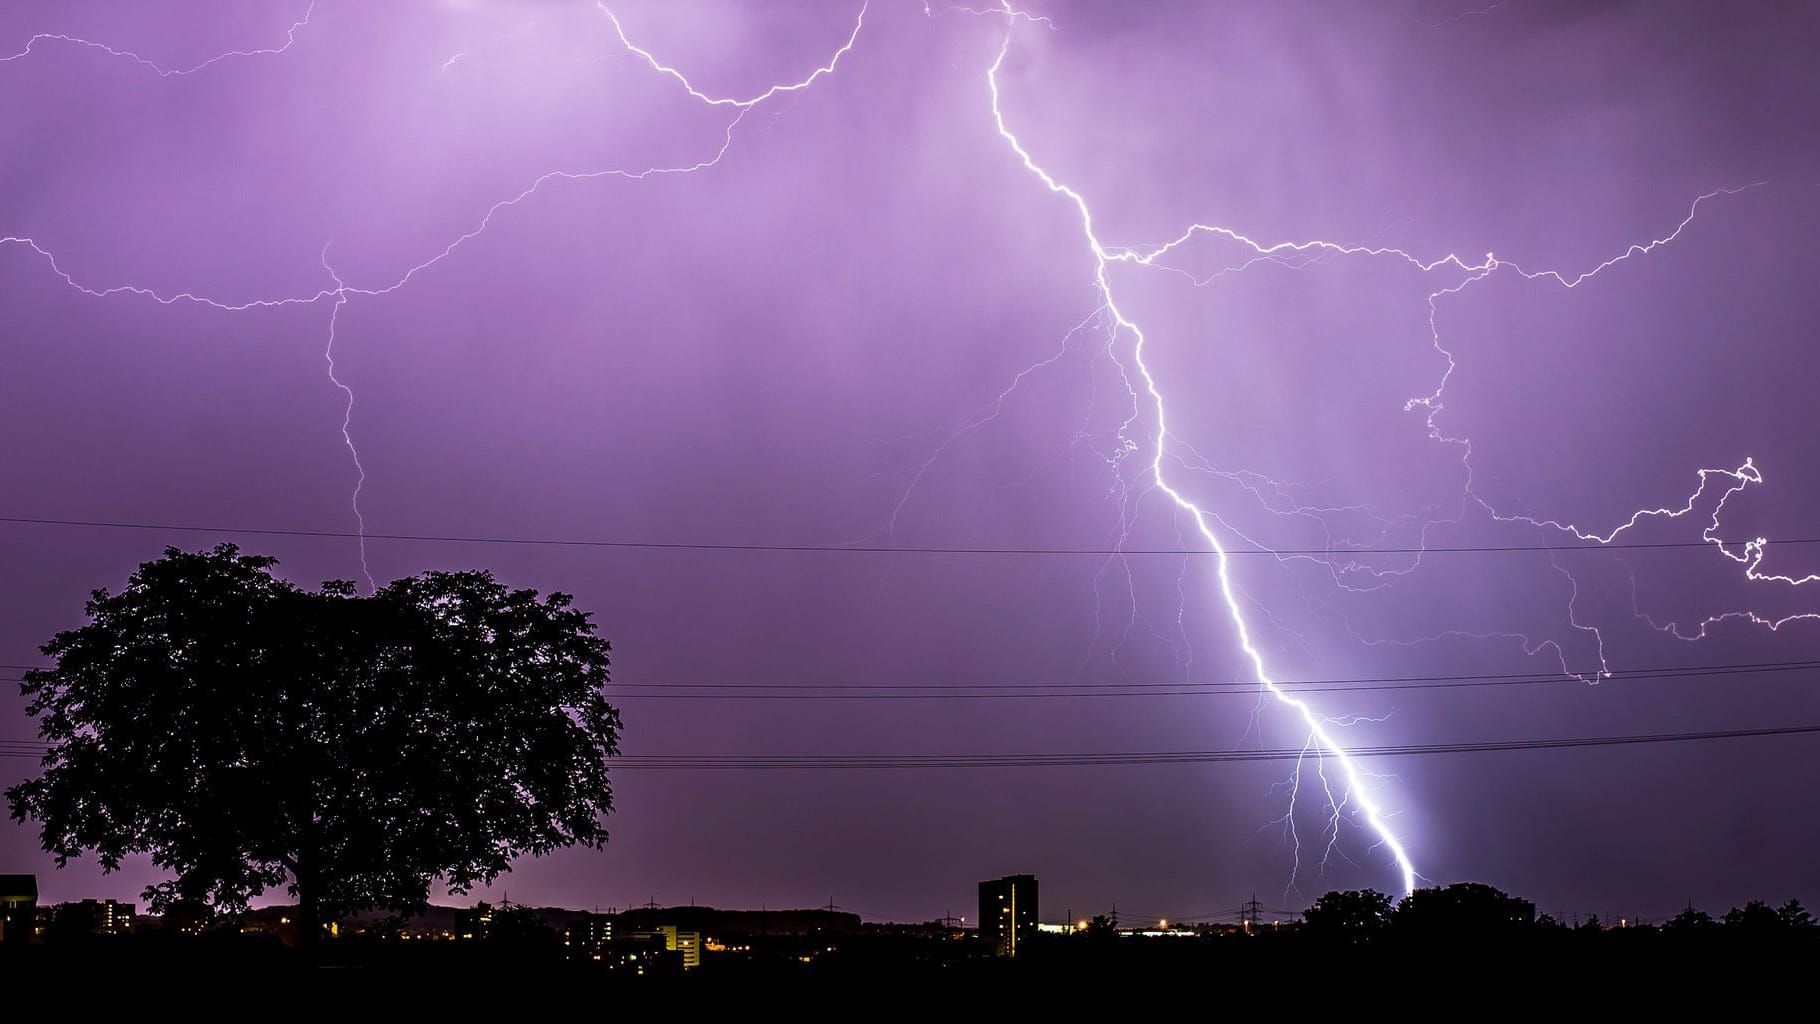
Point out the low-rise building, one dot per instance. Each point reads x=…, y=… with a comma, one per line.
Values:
x=18, y=907
x=88, y=917
x=684, y=943
x=588, y=937
x=475, y=922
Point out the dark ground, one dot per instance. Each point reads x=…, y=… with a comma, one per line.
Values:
x=1461, y=980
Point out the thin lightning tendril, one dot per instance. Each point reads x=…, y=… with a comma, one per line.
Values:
x=726, y=101
x=290, y=37
x=347, y=413
x=987, y=414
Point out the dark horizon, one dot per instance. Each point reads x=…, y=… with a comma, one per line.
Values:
x=691, y=914
x=778, y=339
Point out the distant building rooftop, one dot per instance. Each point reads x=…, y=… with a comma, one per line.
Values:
x=19, y=888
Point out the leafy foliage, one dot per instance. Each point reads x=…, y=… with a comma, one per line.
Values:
x=1754, y=918
x=520, y=927
x=246, y=733
x=1691, y=919
x=1355, y=915
x=1464, y=907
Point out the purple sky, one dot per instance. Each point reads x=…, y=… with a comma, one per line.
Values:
x=863, y=320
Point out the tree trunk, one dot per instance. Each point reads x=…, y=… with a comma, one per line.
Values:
x=309, y=904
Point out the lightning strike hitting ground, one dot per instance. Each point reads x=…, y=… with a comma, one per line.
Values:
x=1350, y=793
x=1319, y=728
x=1297, y=254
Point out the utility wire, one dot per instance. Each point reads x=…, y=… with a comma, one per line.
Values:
x=873, y=549
x=888, y=691
x=845, y=762
x=979, y=691
x=746, y=762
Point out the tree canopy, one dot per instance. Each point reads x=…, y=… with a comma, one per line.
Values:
x=1463, y=907
x=1354, y=915
x=1471, y=909
x=246, y=733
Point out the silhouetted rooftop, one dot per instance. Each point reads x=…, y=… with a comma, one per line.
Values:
x=14, y=887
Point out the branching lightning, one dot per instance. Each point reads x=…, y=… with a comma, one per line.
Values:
x=1299, y=254
x=1347, y=790
x=1273, y=495
x=987, y=414
x=1319, y=729
x=341, y=291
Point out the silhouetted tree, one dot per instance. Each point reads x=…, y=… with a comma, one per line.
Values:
x=1592, y=925
x=1690, y=920
x=1755, y=919
x=1795, y=916
x=520, y=928
x=1462, y=908
x=69, y=924
x=1549, y=922
x=1355, y=915
x=246, y=733
x=1099, y=928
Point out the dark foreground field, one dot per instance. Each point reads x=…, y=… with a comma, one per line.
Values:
x=1461, y=981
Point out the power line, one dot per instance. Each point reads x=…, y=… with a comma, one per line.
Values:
x=872, y=549
x=1253, y=682
x=823, y=762
x=970, y=691
x=1242, y=688
x=771, y=762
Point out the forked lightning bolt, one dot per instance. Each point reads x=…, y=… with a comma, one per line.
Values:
x=1160, y=443
x=1320, y=729
x=1345, y=786
x=342, y=291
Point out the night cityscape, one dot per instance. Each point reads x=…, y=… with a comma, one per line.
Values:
x=1278, y=505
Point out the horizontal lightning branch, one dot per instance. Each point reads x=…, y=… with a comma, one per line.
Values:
x=290, y=37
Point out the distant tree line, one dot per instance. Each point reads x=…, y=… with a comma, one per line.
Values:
x=1472, y=909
